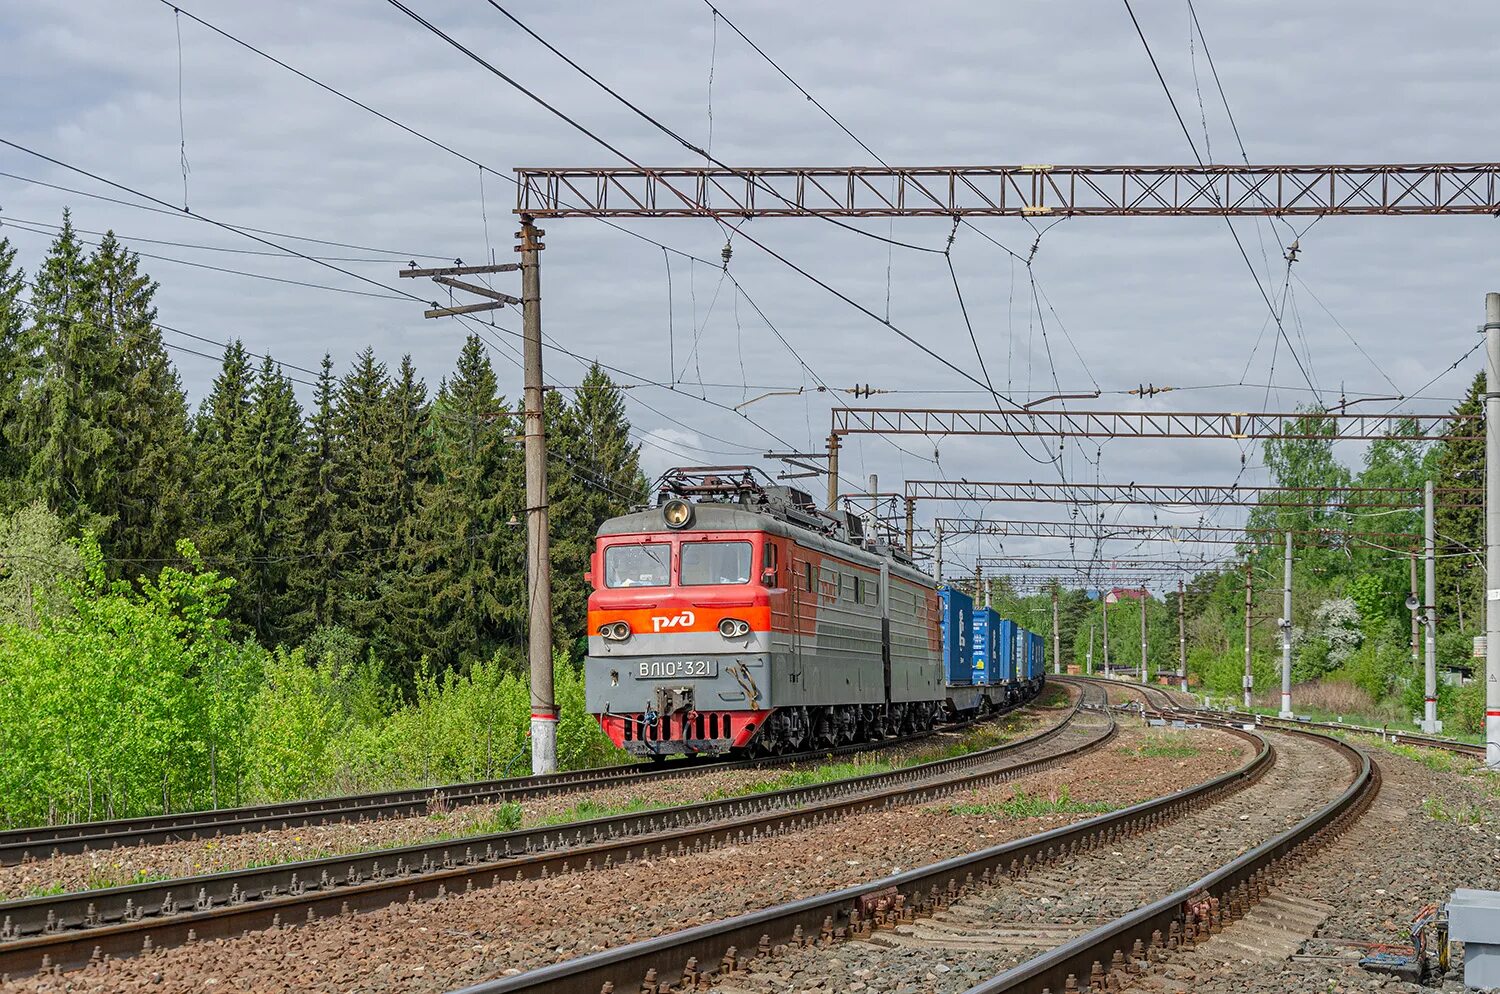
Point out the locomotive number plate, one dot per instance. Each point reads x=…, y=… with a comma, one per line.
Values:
x=673, y=669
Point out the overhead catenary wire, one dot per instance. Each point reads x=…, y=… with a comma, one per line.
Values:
x=481, y=61
x=1233, y=233
x=365, y=106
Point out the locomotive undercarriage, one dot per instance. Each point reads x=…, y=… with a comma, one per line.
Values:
x=799, y=729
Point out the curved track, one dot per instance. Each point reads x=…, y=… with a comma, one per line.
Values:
x=18, y=845
x=728, y=955
x=68, y=929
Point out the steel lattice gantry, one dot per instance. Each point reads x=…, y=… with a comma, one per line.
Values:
x=1198, y=534
x=1151, y=424
x=1011, y=191
x=1031, y=492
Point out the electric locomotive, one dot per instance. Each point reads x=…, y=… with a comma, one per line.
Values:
x=736, y=615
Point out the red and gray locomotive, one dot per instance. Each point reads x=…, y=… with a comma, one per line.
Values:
x=738, y=616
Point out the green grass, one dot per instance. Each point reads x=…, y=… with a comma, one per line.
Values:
x=1053, y=696
x=1026, y=805
x=1437, y=760
x=1467, y=814
x=1367, y=720
x=1160, y=746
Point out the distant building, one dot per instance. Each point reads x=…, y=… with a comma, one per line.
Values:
x=1121, y=593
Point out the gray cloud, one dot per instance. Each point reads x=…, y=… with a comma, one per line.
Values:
x=1160, y=301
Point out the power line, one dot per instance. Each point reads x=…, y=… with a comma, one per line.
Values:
x=178, y=212
x=223, y=269
x=4, y=219
x=481, y=61
x=1230, y=224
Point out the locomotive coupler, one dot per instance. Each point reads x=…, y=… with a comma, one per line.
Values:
x=670, y=700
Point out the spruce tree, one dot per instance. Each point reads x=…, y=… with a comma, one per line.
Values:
x=65, y=420
x=149, y=475
x=18, y=370
x=595, y=474
x=1459, y=462
x=460, y=542
x=365, y=517
x=268, y=443
x=216, y=463
x=315, y=572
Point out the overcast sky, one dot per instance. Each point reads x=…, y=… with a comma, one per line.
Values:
x=1123, y=302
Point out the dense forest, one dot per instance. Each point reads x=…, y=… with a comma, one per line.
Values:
x=256, y=600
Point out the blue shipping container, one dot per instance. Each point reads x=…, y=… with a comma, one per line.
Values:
x=1036, y=666
x=1014, y=661
x=993, y=649
x=958, y=623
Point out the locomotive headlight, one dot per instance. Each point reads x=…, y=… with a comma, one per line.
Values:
x=677, y=513
x=733, y=628
x=619, y=631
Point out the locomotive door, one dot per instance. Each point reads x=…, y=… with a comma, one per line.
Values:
x=799, y=582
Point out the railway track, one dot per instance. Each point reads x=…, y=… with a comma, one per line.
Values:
x=19, y=845
x=1014, y=898
x=71, y=929
x=1162, y=701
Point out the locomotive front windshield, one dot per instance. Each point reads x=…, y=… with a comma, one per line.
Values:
x=646, y=565
x=711, y=563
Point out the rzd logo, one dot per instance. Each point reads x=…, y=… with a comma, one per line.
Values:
x=683, y=620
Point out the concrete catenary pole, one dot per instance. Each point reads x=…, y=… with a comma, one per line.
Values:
x=538, y=549
x=1429, y=600
x=1416, y=615
x=1492, y=530
x=1104, y=624
x=1286, y=634
x=1181, y=638
x=1249, y=672
x=911, y=525
x=1056, y=635
x=1088, y=660
x=1145, y=596
x=937, y=551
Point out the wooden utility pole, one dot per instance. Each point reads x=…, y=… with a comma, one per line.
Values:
x=538, y=545
x=833, y=474
x=538, y=551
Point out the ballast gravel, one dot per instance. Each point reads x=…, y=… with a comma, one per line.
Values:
x=1434, y=827
x=131, y=864
x=519, y=925
x=986, y=933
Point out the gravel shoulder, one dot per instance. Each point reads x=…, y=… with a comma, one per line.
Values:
x=437, y=946
x=986, y=933
x=1434, y=827
x=135, y=864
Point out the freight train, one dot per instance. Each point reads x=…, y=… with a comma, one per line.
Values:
x=737, y=616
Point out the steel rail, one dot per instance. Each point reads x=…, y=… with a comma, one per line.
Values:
x=19, y=844
x=68, y=929
x=1134, y=941
x=1293, y=724
x=719, y=947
